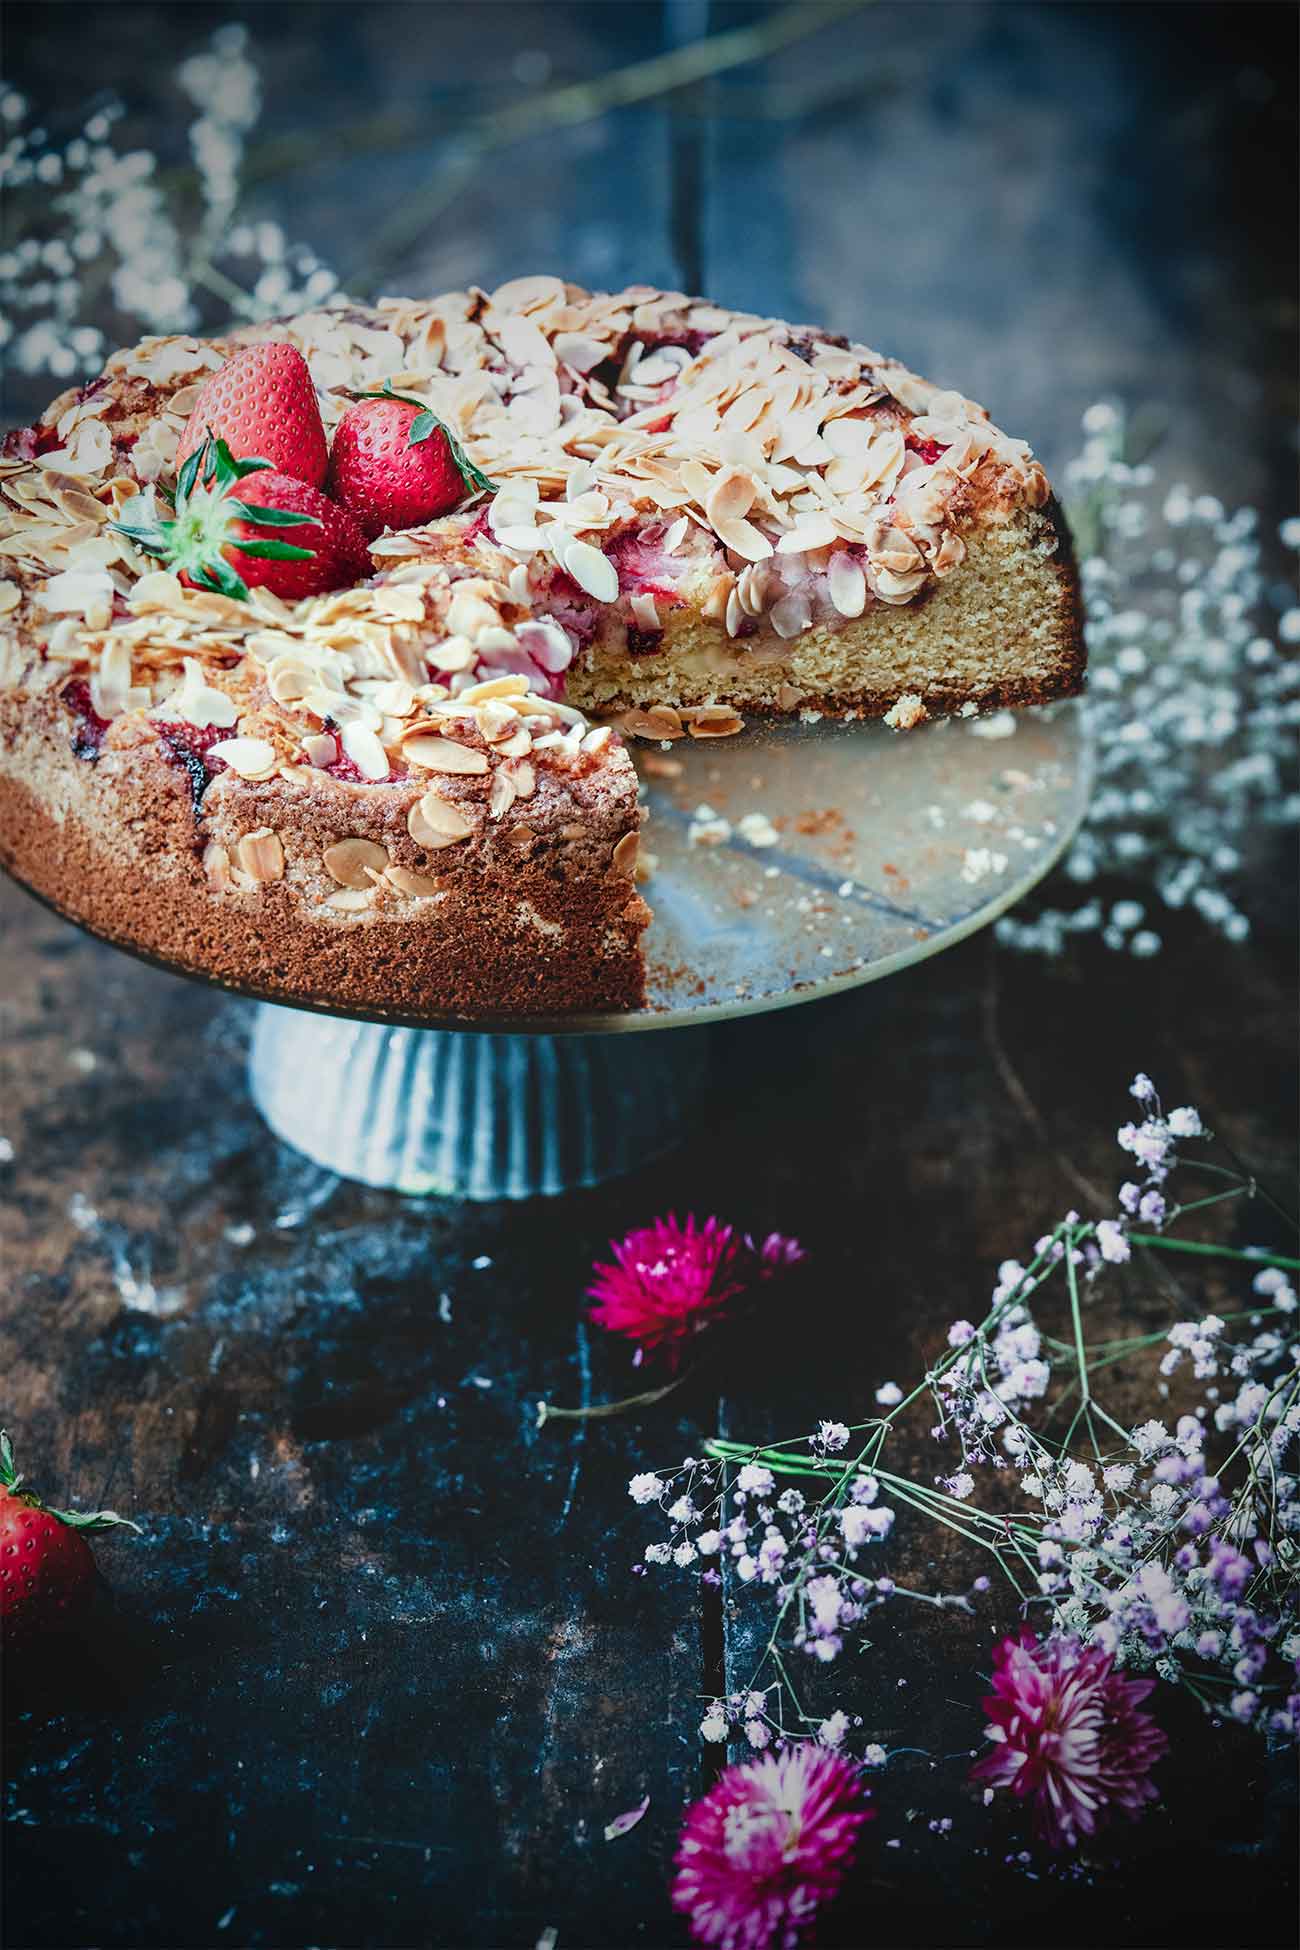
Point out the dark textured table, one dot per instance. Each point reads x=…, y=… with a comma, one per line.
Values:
x=378, y=1673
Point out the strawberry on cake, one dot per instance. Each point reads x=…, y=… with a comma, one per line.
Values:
x=303, y=631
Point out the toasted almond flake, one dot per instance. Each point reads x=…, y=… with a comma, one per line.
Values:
x=523, y=778
x=320, y=750
x=624, y=856
x=469, y=614
x=261, y=855
x=216, y=865
x=792, y=614
x=364, y=749
x=715, y=603
x=346, y=861
x=593, y=572
x=583, y=354
x=713, y=721
x=743, y=539
x=596, y=741
x=731, y=496
x=496, y=720
x=517, y=745
x=811, y=531
x=440, y=816
x=444, y=755
x=351, y=900
x=848, y=583
x=675, y=536
x=415, y=885
x=788, y=697
x=644, y=610
x=502, y=795
x=494, y=687
x=523, y=837
x=251, y=758
x=456, y=653
x=10, y=597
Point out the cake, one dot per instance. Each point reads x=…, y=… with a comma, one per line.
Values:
x=413, y=794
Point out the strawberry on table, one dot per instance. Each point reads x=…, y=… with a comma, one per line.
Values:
x=262, y=403
x=47, y=1573
x=229, y=533
x=395, y=465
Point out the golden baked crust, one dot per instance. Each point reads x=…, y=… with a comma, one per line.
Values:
x=388, y=797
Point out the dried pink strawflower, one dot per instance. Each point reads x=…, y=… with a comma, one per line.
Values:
x=1069, y=1736
x=762, y=1852
x=670, y=1279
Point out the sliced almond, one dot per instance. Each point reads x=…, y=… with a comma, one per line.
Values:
x=444, y=755
x=346, y=861
x=434, y=821
x=848, y=583
x=493, y=687
x=713, y=721
x=496, y=720
x=251, y=758
x=523, y=837
x=592, y=571
x=216, y=865
x=364, y=749
x=10, y=597
x=524, y=780
x=320, y=749
x=414, y=884
x=518, y=745
x=351, y=900
x=742, y=538
x=261, y=855
x=502, y=795
x=624, y=860
x=731, y=496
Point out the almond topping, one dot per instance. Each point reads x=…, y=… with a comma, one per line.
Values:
x=261, y=855
x=414, y=884
x=444, y=755
x=624, y=859
x=592, y=571
x=216, y=865
x=347, y=860
x=440, y=823
x=730, y=497
x=502, y=795
x=713, y=721
x=351, y=900
x=251, y=758
x=493, y=687
x=524, y=780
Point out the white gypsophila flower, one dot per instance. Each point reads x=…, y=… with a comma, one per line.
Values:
x=645, y=1488
x=834, y=1729
x=832, y=1435
x=1113, y=1242
x=713, y=1726
x=889, y=1395
x=1192, y=709
x=874, y=1755
x=755, y=1479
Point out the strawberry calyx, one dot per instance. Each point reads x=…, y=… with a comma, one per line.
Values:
x=11, y=1481
x=425, y=424
x=204, y=511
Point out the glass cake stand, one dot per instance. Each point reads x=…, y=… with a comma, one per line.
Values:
x=788, y=864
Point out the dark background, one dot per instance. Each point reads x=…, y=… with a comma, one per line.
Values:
x=379, y=1673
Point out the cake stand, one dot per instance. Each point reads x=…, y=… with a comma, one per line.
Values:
x=787, y=864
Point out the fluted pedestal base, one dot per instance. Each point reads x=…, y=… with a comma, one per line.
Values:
x=473, y=1116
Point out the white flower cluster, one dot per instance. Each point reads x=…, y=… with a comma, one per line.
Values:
x=1192, y=710
x=86, y=220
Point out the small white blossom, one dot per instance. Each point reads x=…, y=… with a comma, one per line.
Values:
x=646, y=1488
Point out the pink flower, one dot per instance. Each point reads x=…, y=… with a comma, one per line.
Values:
x=669, y=1280
x=1069, y=1736
x=764, y=1850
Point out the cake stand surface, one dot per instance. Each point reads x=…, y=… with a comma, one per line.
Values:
x=787, y=864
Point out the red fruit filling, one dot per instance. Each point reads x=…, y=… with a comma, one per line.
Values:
x=190, y=747
x=929, y=450
x=643, y=643
x=89, y=734
x=643, y=568
x=25, y=443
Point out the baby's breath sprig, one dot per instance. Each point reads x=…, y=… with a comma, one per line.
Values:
x=1173, y=1551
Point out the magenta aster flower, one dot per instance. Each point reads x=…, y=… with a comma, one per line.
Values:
x=1069, y=1736
x=764, y=1850
x=670, y=1279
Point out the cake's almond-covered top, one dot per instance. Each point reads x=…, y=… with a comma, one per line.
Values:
x=646, y=449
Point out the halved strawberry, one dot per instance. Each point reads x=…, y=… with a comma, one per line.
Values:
x=395, y=465
x=218, y=539
x=47, y=1573
x=262, y=403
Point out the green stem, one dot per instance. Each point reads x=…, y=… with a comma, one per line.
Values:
x=1213, y=1252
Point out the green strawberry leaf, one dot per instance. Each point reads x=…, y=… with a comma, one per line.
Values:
x=95, y=1520
x=189, y=474
x=276, y=551
x=9, y=1476
x=220, y=577
x=272, y=517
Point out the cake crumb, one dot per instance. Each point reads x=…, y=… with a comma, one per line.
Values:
x=909, y=712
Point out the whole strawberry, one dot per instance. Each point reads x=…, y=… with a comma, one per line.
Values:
x=47, y=1574
x=221, y=537
x=262, y=403
x=395, y=465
